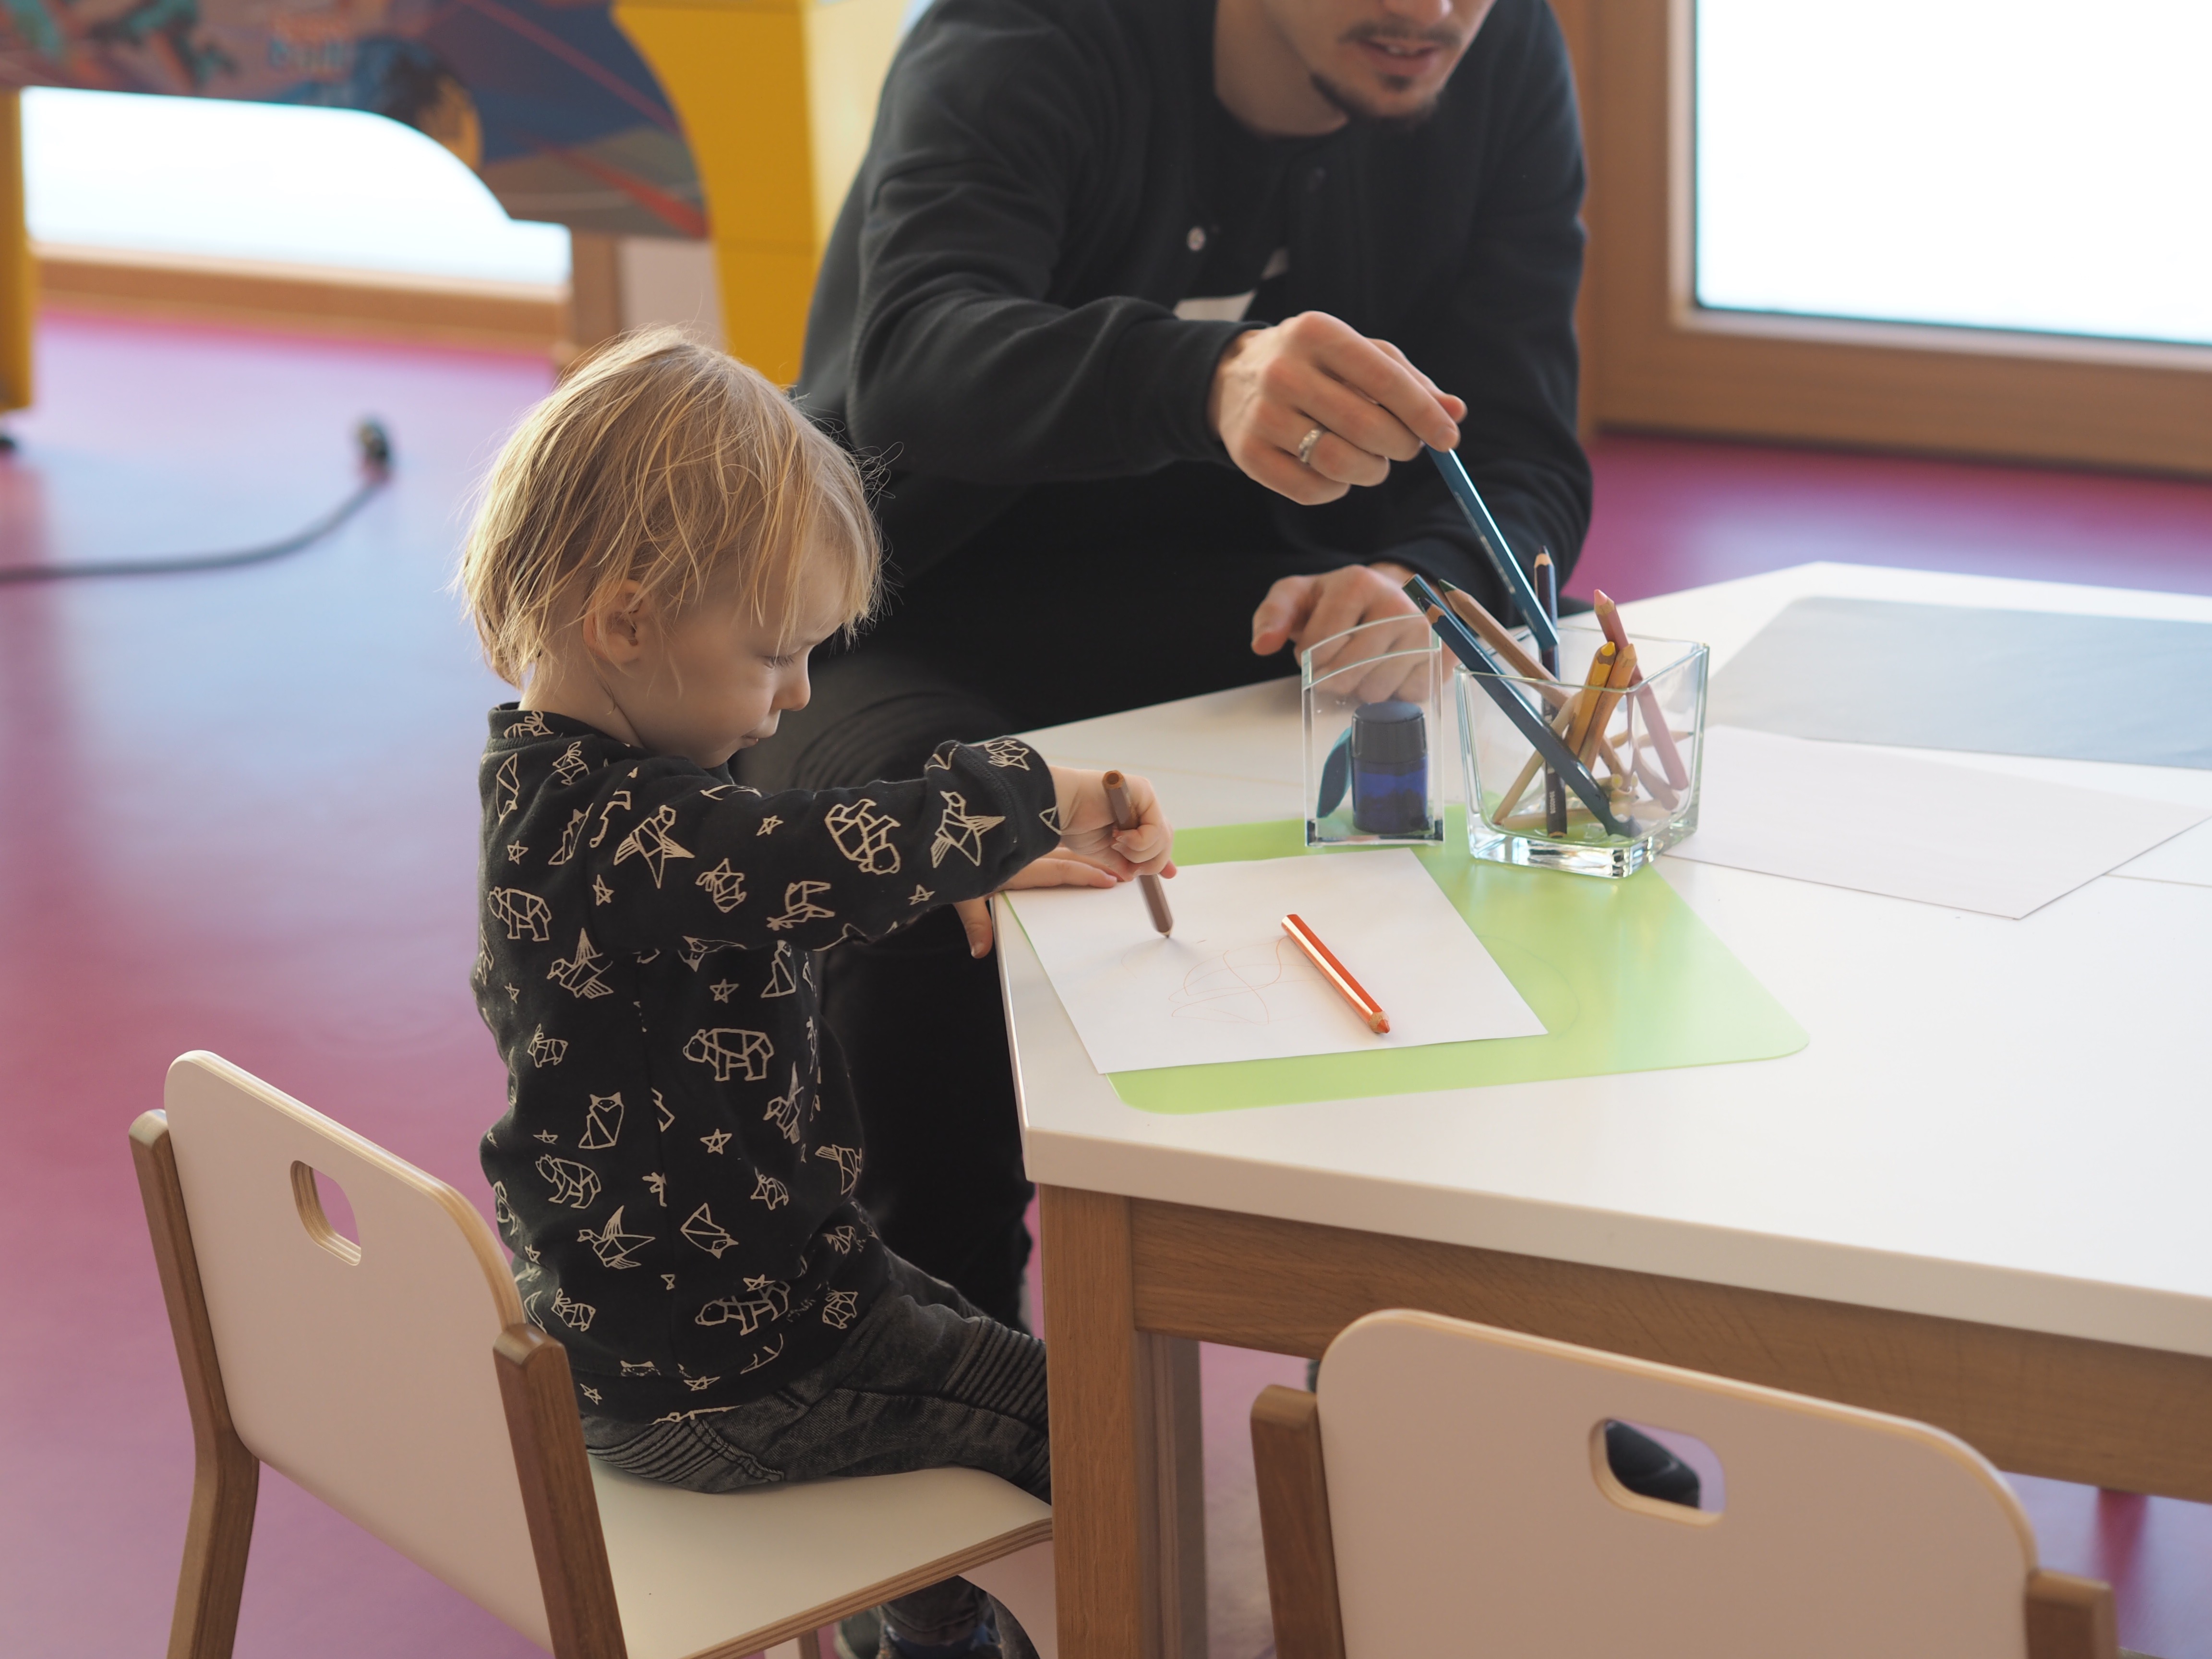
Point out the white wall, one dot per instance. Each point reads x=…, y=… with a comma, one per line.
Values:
x=665, y=281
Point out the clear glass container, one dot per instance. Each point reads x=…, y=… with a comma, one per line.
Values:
x=1373, y=704
x=1632, y=791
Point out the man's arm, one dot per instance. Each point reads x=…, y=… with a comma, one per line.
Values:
x=995, y=164
x=1498, y=331
x=1003, y=156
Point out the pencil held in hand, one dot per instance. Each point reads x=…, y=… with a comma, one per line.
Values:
x=1336, y=973
x=1125, y=817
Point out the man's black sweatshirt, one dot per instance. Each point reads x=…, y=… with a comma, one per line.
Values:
x=996, y=310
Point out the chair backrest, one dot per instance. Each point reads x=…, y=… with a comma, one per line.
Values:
x=366, y=1375
x=1470, y=1500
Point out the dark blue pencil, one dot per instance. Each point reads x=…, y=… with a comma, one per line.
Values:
x=1547, y=596
x=1546, y=631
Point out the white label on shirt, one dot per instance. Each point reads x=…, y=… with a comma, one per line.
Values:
x=1218, y=308
x=1232, y=308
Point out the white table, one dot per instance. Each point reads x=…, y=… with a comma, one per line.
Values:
x=1978, y=1196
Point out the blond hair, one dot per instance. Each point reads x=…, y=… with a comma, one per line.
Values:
x=663, y=461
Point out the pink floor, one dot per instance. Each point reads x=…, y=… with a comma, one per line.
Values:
x=241, y=817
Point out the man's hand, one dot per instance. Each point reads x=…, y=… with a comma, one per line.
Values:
x=1274, y=385
x=1304, y=611
x=1093, y=852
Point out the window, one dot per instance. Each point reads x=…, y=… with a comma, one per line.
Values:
x=2031, y=165
x=1979, y=226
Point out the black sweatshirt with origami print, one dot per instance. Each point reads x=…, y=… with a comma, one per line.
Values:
x=676, y=1168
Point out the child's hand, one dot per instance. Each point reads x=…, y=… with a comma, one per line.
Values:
x=1087, y=828
x=1092, y=852
x=1053, y=870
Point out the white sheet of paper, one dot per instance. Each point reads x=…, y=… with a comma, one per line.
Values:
x=1228, y=984
x=2186, y=859
x=1849, y=816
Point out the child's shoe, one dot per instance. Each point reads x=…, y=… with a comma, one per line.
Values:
x=861, y=1636
x=865, y=1636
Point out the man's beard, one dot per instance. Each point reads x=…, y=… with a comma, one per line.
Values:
x=1362, y=114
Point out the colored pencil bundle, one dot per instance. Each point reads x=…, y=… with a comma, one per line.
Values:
x=1626, y=771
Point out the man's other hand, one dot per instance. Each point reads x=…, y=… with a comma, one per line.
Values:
x=1274, y=386
x=1300, y=610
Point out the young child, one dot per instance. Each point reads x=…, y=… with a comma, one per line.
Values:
x=660, y=545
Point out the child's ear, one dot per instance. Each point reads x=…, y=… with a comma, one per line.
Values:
x=615, y=631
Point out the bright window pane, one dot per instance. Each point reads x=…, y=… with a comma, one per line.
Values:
x=2016, y=164
x=268, y=181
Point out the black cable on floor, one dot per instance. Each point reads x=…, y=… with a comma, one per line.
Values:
x=375, y=447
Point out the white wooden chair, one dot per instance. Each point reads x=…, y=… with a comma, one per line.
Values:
x=1447, y=1491
x=396, y=1379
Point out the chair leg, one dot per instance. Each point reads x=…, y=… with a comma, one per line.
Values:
x=216, y=1539
x=556, y=1474
x=226, y=1476
x=2070, y=1618
x=1294, y=1530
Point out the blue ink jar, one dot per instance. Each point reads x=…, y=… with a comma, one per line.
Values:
x=1390, y=770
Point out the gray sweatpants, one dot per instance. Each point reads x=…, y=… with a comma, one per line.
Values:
x=923, y=1381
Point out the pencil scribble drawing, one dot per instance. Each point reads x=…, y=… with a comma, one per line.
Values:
x=1255, y=983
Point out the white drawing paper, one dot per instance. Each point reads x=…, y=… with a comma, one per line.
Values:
x=1228, y=984
x=2186, y=859
x=1847, y=815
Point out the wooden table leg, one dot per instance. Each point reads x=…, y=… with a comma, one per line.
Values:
x=1129, y=1503
x=1171, y=1421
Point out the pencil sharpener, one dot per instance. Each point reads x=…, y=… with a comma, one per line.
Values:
x=1372, y=699
x=1633, y=739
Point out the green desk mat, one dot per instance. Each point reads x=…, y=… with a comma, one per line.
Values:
x=1624, y=975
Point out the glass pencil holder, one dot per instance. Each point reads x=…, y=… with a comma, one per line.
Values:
x=1594, y=772
x=1373, y=707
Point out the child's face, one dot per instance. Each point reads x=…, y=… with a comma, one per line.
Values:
x=716, y=680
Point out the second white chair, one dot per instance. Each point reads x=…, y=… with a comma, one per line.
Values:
x=1447, y=1491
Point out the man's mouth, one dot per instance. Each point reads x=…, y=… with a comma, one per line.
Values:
x=1397, y=56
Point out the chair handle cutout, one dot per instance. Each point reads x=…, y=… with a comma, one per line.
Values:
x=307, y=1186
x=1660, y=1473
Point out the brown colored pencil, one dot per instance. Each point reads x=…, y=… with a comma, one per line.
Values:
x=1125, y=817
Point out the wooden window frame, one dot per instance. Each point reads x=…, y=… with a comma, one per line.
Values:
x=1656, y=361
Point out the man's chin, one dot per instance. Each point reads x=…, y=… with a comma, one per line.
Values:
x=1392, y=111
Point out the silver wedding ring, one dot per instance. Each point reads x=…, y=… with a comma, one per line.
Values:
x=1306, y=446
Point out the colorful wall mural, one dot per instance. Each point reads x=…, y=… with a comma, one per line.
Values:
x=546, y=100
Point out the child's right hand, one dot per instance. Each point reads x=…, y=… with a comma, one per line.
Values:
x=1093, y=852
x=1088, y=831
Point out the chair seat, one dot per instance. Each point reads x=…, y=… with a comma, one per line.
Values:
x=698, y=1574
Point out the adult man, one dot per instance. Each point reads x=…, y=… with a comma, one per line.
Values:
x=1146, y=307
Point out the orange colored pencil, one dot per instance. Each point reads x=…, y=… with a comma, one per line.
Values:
x=1337, y=974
